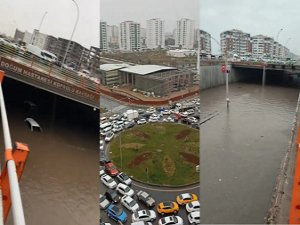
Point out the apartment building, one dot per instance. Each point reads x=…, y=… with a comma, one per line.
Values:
x=155, y=37
x=103, y=36
x=185, y=33
x=112, y=36
x=235, y=42
x=130, y=36
x=205, y=42
x=262, y=46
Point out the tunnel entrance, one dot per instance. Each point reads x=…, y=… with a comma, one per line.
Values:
x=273, y=77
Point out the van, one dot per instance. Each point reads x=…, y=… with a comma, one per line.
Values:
x=33, y=125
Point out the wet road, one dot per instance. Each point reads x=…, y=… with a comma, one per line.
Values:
x=241, y=150
x=60, y=182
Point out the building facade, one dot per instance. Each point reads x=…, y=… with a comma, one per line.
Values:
x=235, y=42
x=185, y=34
x=103, y=36
x=113, y=36
x=205, y=42
x=130, y=36
x=155, y=37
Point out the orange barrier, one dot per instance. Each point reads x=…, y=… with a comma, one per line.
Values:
x=295, y=201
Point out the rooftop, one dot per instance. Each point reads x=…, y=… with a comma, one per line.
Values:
x=109, y=67
x=146, y=69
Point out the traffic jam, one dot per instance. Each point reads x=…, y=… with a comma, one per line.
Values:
x=123, y=202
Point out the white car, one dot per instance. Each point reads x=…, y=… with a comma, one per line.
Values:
x=129, y=203
x=114, y=117
x=124, y=190
x=192, y=119
x=108, y=181
x=184, y=114
x=109, y=136
x=153, y=119
x=171, y=220
x=101, y=172
x=142, y=121
x=122, y=177
x=165, y=112
x=194, y=217
x=193, y=206
x=144, y=215
x=116, y=128
x=103, y=202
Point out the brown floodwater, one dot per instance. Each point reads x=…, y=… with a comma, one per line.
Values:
x=60, y=184
x=241, y=150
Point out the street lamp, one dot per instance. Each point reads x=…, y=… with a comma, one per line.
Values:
x=68, y=46
x=38, y=30
x=227, y=71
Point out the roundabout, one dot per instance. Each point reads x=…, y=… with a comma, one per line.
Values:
x=162, y=154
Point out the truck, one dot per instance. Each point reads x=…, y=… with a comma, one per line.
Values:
x=43, y=54
x=131, y=114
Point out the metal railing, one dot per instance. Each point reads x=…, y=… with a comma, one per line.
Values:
x=51, y=69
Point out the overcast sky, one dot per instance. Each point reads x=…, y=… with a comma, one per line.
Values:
x=116, y=11
x=253, y=16
x=265, y=17
x=59, y=20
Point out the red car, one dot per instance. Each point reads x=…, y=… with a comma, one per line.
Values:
x=110, y=169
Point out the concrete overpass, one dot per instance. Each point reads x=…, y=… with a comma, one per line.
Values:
x=36, y=72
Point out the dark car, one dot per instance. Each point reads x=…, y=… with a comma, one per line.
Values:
x=196, y=125
x=129, y=125
x=145, y=198
x=102, y=157
x=185, y=120
x=112, y=195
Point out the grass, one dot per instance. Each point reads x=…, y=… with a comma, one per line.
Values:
x=150, y=153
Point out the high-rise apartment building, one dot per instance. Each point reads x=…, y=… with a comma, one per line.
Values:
x=262, y=46
x=235, y=42
x=185, y=33
x=130, y=36
x=155, y=37
x=112, y=36
x=103, y=36
x=205, y=42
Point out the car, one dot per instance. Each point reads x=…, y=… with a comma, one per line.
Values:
x=167, y=207
x=170, y=119
x=116, y=213
x=184, y=114
x=142, y=121
x=101, y=145
x=129, y=203
x=141, y=223
x=116, y=128
x=165, y=112
x=30, y=106
x=186, y=198
x=109, y=136
x=153, y=119
x=110, y=169
x=144, y=215
x=123, y=189
x=103, y=202
x=102, y=157
x=112, y=195
x=114, y=117
x=192, y=206
x=101, y=172
x=33, y=125
x=194, y=217
x=108, y=181
x=141, y=111
x=195, y=125
x=190, y=111
x=122, y=177
x=129, y=124
x=145, y=198
x=171, y=220
x=192, y=120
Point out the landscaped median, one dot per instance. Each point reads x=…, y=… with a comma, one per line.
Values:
x=158, y=153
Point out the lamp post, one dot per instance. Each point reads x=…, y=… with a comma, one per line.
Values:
x=38, y=30
x=68, y=46
x=227, y=72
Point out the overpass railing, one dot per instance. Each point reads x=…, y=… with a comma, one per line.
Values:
x=48, y=68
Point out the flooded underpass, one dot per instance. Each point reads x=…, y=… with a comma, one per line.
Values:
x=60, y=182
x=242, y=148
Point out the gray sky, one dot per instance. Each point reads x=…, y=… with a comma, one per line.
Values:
x=59, y=20
x=265, y=17
x=116, y=11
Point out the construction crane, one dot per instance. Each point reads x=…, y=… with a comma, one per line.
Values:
x=11, y=172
